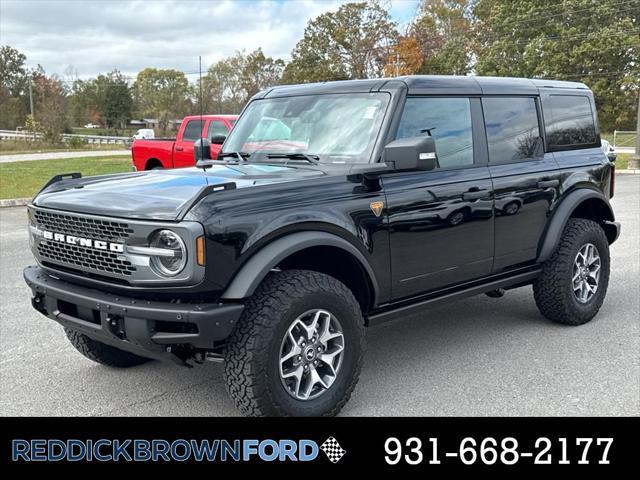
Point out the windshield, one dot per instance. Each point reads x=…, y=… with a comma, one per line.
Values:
x=335, y=128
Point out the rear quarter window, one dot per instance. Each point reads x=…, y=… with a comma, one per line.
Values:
x=569, y=122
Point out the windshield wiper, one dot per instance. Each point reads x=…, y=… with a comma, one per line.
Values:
x=314, y=159
x=241, y=156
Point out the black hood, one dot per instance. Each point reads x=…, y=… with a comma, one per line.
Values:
x=158, y=194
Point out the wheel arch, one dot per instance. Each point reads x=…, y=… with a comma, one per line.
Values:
x=152, y=163
x=308, y=250
x=586, y=203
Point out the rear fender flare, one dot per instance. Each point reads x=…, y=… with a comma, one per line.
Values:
x=561, y=216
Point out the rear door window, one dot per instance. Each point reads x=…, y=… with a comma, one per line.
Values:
x=513, y=134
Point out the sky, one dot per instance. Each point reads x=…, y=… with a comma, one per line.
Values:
x=86, y=37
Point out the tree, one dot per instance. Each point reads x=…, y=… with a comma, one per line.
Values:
x=353, y=42
x=221, y=88
x=50, y=100
x=115, y=98
x=443, y=28
x=578, y=40
x=405, y=59
x=161, y=93
x=259, y=72
x=13, y=74
x=231, y=82
x=13, y=87
x=105, y=100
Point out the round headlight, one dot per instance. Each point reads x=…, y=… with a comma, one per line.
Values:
x=174, y=262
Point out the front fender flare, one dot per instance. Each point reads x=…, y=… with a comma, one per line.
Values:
x=561, y=216
x=261, y=263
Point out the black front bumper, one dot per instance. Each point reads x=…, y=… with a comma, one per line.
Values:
x=146, y=328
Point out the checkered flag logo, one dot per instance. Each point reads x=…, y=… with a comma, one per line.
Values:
x=333, y=450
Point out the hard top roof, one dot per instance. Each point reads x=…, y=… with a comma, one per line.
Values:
x=427, y=84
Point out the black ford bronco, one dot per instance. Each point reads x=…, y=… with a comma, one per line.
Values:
x=330, y=208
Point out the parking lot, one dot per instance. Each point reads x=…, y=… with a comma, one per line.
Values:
x=481, y=356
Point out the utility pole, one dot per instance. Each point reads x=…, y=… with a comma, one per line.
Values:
x=397, y=64
x=31, y=106
x=635, y=160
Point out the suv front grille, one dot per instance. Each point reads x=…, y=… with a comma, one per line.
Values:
x=104, y=248
x=83, y=227
x=84, y=257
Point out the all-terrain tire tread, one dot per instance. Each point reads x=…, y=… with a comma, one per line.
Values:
x=102, y=353
x=550, y=290
x=246, y=375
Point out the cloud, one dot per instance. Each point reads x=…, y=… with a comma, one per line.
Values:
x=96, y=36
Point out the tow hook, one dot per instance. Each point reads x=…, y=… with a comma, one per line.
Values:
x=115, y=325
x=38, y=303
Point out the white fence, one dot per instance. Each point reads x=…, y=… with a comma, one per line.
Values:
x=93, y=139
x=629, y=141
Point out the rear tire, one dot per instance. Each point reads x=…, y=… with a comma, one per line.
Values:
x=559, y=290
x=259, y=379
x=102, y=353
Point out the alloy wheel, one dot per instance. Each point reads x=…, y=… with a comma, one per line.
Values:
x=586, y=273
x=311, y=354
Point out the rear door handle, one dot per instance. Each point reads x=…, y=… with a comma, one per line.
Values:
x=179, y=149
x=475, y=194
x=548, y=183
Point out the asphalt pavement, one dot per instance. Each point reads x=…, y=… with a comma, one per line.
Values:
x=480, y=356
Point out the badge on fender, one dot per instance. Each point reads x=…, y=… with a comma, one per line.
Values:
x=376, y=208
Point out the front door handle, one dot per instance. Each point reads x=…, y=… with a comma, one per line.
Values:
x=548, y=183
x=475, y=194
x=179, y=149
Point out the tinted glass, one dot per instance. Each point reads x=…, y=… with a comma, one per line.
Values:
x=512, y=128
x=569, y=121
x=193, y=130
x=338, y=128
x=449, y=120
x=216, y=127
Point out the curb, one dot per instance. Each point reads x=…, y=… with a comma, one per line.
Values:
x=15, y=202
x=629, y=171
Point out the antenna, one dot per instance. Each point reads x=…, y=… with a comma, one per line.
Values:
x=200, y=74
x=202, y=162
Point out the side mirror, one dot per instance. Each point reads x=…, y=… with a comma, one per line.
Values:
x=218, y=139
x=412, y=154
x=201, y=150
x=612, y=156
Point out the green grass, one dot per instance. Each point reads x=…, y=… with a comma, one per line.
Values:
x=24, y=179
x=622, y=140
x=622, y=162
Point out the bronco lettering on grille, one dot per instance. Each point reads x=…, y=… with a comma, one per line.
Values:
x=83, y=242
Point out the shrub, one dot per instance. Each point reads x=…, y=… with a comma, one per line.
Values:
x=76, y=142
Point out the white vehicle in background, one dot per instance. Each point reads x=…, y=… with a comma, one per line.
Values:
x=91, y=125
x=609, y=151
x=145, y=134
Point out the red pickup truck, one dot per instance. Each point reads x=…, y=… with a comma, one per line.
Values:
x=178, y=152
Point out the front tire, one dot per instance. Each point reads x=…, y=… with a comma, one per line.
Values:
x=102, y=353
x=574, y=281
x=298, y=348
